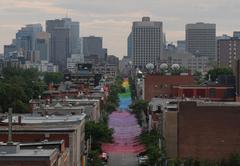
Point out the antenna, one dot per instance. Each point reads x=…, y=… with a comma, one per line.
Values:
x=10, y=142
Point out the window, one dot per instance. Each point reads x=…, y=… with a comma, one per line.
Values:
x=212, y=92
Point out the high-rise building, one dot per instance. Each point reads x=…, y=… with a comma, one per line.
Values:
x=25, y=37
x=74, y=33
x=147, y=42
x=60, y=47
x=8, y=49
x=201, y=39
x=73, y=27
x=130, y=45
x=60, y=42
x=93, y=46
x=42, y=44
x=228, y=51
x=236, y=34
x=181, y=45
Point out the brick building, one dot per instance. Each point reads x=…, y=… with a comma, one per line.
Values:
x=37, y=154
x=202, y=130
x=213, y=93
x=228, y=52
x=156, y=85
x=71, y=129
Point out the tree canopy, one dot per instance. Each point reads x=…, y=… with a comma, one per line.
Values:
x=99, y=133
x=214, y=73
x=51, y=77
x=17, y=87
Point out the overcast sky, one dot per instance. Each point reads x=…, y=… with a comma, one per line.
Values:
x=112, y=19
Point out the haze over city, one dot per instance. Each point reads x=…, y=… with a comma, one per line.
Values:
x=113, y=19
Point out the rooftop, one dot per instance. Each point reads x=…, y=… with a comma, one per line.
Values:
x=29, y=153
x=166, y=103
x=46, y=119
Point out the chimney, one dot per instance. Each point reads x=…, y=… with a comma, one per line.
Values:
x=10, y=142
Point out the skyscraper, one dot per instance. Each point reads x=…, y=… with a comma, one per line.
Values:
x=60, y=47
x=74, y=33
x=8, y=49
x=181, y=45
x=60, y=42
x=25, y=37
x=130, y=45
x=201, y=39
x=236, y=34
x=147, y=40
x=42, y=44
x=93, y=46
x=228, y=52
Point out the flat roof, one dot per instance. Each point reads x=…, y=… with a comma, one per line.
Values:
x=46, y=119
x=223, y=104
x=42, y=153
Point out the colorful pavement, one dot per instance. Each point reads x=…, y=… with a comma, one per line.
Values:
x=125, y=126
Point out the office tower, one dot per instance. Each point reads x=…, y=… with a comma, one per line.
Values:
x=42, y=44
x=69, y=28
x=228, y=51
x=74, y=33
x=60, y=42
x=236, y=34
x=181, y=45
x=201, y=39
x=8, y=49
x=147, y=39
x=25, y=37
x=93, y=46
x=60, y=47
x=130, y=47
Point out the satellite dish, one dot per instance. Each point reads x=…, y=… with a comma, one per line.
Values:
x=164, y=66
x=150, y=66
x=175, y=66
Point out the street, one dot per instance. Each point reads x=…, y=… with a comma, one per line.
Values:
x=122, y=159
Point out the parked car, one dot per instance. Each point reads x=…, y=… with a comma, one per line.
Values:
x=142, y=159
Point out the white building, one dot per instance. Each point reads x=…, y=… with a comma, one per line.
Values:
x=147, y=38
x=44, y=66
x=73, y=61
x=186, y=60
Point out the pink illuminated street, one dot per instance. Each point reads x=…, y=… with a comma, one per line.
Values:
x=126, y=130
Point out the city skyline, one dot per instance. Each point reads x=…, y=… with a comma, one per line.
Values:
x=113, y=21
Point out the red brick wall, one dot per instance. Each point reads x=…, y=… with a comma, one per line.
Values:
x=25, y=163
x=154, y=85
x=208, y=133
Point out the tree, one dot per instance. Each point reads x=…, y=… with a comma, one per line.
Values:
x=52, y=77
x=132, y=87
x=18, y=86
x=99, y=133
x=11, y=95
x=139, y=107
x=110, y=107
x=214, y=73
x=151, y=142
